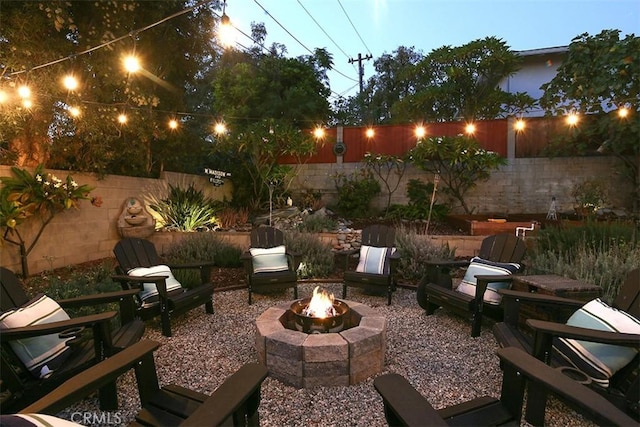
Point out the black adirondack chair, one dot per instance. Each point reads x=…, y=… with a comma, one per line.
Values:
x=405, y=406
x=235, y=402
x=377, y=262
x=271, y=267
x=96, y=336
x=133, y=253
x=436, y=288
x=539, y=337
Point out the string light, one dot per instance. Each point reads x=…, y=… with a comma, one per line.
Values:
x=131, y=64
x=74, y=111
x=370, y=133
x=70, y=82
x=572, y=119
x=519, y=125
x=420, y=131
x=470, y=128
x=220, y=128
x=226, y=32
x=4, y=97
x=623, y=112
x=173, y=124
x=27, y=103
x=318, y=132
x=122, y=119
x=24, y=92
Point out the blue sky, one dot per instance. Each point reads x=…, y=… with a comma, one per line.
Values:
x=347, y=28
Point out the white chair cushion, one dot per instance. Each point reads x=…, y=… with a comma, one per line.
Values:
x=37, y=420
x=599, y=361
x=42, y=354
x=267, y=260
x=149, y=293
x=479, y=266
x=374, y=260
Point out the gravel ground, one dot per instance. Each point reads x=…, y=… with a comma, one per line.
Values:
x=435, y=353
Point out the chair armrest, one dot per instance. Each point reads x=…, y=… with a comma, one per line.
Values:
x=584, y=334
x=543, y=378
x=56, y=327
x=95, y=299
x=540, y=298
x=93, y=378
x=242, y=389
x=404, y=404
x=452, y=263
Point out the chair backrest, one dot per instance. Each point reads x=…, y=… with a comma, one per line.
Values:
x=266, y=237
x=628, y=298
x=134, y=252
x=379, y=235
x=503, y=247
x=12, y=294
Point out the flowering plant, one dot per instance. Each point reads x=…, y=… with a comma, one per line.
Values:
x=42, y=194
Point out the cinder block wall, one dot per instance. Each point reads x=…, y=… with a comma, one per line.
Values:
x=90, y=233
x=523, y=186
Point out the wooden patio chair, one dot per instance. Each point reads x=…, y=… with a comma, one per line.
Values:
x=235, y=402
x=268, y=265
x=500, y=256
x=405, y=406
x=377, y=262
x=140, y=267
x=42, y=346
x=558, y=319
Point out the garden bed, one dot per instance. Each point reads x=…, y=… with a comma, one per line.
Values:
x=486, y=225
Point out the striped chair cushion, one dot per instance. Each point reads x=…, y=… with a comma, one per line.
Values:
x=374, y=260
x=41, y=355
x=149, y=293
x=269, y=259
x=599, y=361
x=479, y=266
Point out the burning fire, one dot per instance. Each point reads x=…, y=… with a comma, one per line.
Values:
x=321, y=304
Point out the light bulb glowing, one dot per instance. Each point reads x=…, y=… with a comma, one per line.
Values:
x=26, y=103
x=131, y=64
x=4, y=97
x=420, y=131
x=220, y=128
x=70, y=82
x=370, y=132
x=623, y=112
x=122, y=119
x=24, y=92
x=74, y=111
x=318, y=133
x=519, y=125
x=226, y=32
x=572, y=119
x=173, y=124
x=470, y=128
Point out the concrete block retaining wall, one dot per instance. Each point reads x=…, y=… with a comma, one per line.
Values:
x=90, y=233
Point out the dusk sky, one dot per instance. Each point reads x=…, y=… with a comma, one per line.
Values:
x=347, y=28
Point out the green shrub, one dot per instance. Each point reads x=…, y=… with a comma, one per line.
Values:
x=355, y=193
x=415, y=251
x=317, y=224
x=185, y=209
x=601, y=253
x=201, y=247
x=317, y=259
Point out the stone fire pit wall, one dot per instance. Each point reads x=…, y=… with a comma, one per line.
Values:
x=329, y=359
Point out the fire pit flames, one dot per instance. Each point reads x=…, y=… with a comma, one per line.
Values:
x=320, y=313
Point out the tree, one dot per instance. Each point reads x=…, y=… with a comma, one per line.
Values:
x=270, y=102
x=41, y=42
x=386, y=166
x=462, y=83
x=599, y=78
x=41, y=196
x=458, y=161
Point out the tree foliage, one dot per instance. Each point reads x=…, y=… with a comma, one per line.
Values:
x=458, y=161
x=600, y=76
x=270, y=103
x=65, y=36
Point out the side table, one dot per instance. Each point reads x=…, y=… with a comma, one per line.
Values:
x=551, y=284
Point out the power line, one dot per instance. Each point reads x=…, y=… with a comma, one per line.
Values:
x=354, y=28
x=322, y=29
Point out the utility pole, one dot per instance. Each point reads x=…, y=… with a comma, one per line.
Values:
x=360, y=67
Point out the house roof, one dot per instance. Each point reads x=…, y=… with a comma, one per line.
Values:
x=543, y=51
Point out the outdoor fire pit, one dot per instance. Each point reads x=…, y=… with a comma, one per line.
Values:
x=319, y=314
x=344, y=347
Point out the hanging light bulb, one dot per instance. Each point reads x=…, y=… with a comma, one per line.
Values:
x=225, y=31
x=623, y=112
x=420, y=131
x=572, y=119
x=470, y=128
x=122, y=118
x=70, y=82
x=24, y=92
x=318, y=132
x=370, y=133
x=220, y=128
x=131, y=64
x=74, y=111
x=519, y=125
x=173, y=124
